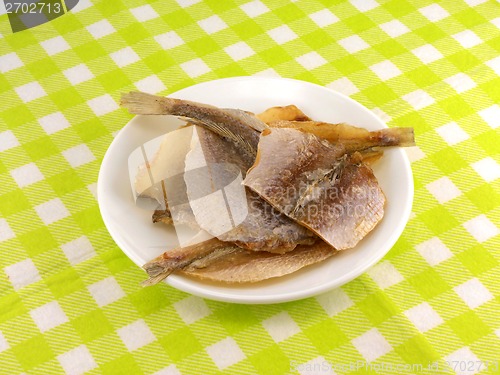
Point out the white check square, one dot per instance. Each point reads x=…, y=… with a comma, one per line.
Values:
x=54, y=122
x=10, y=62
x=100, y=29
x=52, y=211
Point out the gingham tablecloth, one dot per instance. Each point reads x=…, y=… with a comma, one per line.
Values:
x=71, y=301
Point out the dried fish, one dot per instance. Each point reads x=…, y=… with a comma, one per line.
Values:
x=303, y=179
x=215, y=260
x=236, y=125
x=353, y=138
x=315, y=183
x=285, y=113
x=264, y=228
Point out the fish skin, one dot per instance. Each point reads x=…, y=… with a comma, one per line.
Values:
x=162, y=266
x=264, y=228
x=231, y=132
x=243, y=266
x=352, y=137
x=288, y=113
x=236, y=125
x=315, y=183
x=220, y=261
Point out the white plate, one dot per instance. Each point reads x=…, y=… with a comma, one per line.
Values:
x=141, y=241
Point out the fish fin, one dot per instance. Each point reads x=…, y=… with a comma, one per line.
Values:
x=401, y=137
x=141, y=103
x=156, y=273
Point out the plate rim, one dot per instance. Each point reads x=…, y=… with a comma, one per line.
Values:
x=183, y=283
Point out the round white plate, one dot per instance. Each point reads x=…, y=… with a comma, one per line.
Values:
x=141, y=240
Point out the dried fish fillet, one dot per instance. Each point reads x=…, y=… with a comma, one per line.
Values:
x=286, y=113
x=224, y=262
x=242, y=266
x=175, y=259
x=315, y=183
x=262, y=227
x=238, y=126
x=231, y=132
x=289, y=113
x=353, y=138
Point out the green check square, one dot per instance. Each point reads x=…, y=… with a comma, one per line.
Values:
x=399, y=8
x=149, y=300
x=33, y=352
x=219, y=7
x=66, y=98
x=4, y=84
x=11, y=306
x=235, y=318
x=423, y=76
x=41, y=148
x=43, y=68
x=275, y=55
x=247, y=29
x=390, y=48
x=89, y=219
x=159, y=61
x=477, y=260
x=359, y=23
x=464, y=60
x=430, y=33
x=133, y=33
x=13, y=202
x=326, y=336
x=64, y=283
x=22, y=40
x=439, y=220
x=107, y=9
x=492, y=89
x=348, y=65
x=378, y=307
x=456, y=107
x=429, y=283
x=448, y=160
x=180, y=344
x=178, y=19
x=485, y=197
x=92, y=325
x=289, y=13
x=417, y=350
x=65, y=182
x=204, y=46
x=469, y=18
x=37, y=241
x=469, y=327
x=67, y=24
x=126, y=364
x=380, y=93
x=89, y=51
x=17, y=116
x=232, y=69
x=271, y=361
x=317, y=39
x=114, y=80
x=115, y=260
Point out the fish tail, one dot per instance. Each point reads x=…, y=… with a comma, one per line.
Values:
x=141, y=103
x=402, y=137
x=157, y=270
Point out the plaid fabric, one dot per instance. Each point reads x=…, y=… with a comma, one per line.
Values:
x=70, y=300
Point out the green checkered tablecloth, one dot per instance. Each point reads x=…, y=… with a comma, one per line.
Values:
x=71, y=301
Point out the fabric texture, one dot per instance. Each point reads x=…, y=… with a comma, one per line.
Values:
x=71, y=301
